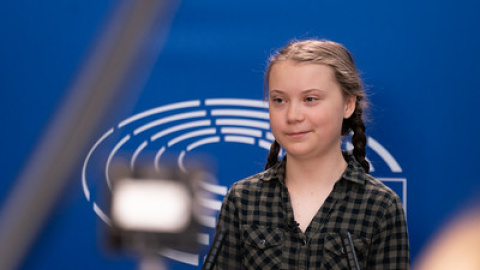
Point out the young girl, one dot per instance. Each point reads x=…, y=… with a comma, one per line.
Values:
x=300, y=212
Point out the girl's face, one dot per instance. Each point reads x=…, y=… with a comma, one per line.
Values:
x=307, y=108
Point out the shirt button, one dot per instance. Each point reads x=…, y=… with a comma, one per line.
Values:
x=304, y=242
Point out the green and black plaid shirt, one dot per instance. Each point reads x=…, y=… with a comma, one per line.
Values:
x=257, y=217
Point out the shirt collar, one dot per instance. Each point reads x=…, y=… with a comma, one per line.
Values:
x=277, y=171
x=354, y=171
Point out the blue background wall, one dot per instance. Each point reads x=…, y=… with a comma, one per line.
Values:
x=420, y=60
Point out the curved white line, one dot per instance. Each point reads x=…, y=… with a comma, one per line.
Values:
x=203, y=238
x=237, y=102
x=348, y=146
x=372, y=168
x=269, y=135
x=110, y=157
x=84, y=169
x=238, y=122
x=101, y=214
x=180, y=127
x=203, y=176
x=202, y=142
x=157, y=158
x=136, y=153
x=244, y=113
x=220, y=190
x=169, y=119
x=184, y=257
x=211, y=204
x=240, y=139
x=192, y=134
x=264, y=144
x=207, y=221
x=179, y=105
x=242, y=131
x=386, y=156
x=180, y=161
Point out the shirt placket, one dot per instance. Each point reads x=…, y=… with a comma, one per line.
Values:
x=299, y=239
x=303, y=251
x=333, y=202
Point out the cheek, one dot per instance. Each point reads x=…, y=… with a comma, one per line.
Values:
x=275, y=122
x=333, y=118
x=275, y=116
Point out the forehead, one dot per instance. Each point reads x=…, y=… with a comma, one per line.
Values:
x=290, y=74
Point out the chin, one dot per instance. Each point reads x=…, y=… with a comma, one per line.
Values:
x=298, y=152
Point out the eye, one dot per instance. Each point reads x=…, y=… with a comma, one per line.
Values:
x=277, y=100
x=311, y=99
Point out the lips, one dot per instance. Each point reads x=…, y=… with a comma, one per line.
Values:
x=297, y=134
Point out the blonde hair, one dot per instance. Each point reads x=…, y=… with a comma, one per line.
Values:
x=336, y=56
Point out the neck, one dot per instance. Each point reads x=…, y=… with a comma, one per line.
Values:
x=320, y=171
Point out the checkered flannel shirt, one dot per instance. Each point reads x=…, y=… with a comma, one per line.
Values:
x=257, y=218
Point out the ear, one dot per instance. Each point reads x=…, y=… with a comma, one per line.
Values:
x=349, y=106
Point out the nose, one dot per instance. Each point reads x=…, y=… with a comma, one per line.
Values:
x=295, y=113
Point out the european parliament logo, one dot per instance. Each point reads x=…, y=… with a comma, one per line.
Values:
x=234, y=132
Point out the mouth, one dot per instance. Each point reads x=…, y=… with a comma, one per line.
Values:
x=297, y=135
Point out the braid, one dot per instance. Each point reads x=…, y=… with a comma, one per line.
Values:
x=272, y=158
x=359, y=139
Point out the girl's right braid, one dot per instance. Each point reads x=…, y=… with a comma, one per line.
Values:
x=359, y=139
x=272, y=158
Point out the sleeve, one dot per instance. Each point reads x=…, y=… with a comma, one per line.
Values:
x=228, y=253
x=390, y=247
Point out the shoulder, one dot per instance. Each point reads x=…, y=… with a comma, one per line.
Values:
x=252, y=183
x=382, y=200
x=266, y=181
x=377, y=189
x=375, y=204
x=367, y=187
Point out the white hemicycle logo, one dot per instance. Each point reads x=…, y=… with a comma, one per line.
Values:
x=173, y=131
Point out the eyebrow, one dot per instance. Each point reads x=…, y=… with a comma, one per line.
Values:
x=275, y=91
